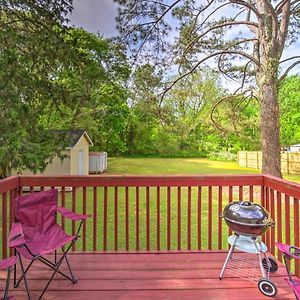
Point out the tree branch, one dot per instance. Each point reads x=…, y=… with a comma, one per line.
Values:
x=237, y=52
x=155, y=23
x=225, y=24
x=290, y=58
x=283, y=31
x=248, y=5
x=289, y=69
x=274, y=21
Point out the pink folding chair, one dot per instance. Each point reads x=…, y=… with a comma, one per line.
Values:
x=37, y=233
x=7, y=264
x=290, y=252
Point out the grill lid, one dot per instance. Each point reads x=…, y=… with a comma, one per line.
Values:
x=247, y=213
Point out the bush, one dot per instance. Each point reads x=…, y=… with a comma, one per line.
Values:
x=222, y=156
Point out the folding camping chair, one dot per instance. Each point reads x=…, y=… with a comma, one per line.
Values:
x=290, y=252
x=36, y=234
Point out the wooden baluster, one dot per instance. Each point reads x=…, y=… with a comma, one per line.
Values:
x=220, y=202
x=272, y=230
x=158, y=218
x=279, y=223
x=168, y=218
x=147, y=218
x=116, y=217
x=105, y=219
x=94, y=218
x=84, y=223
x=127, y=217
x=209, y=217
x=296, y=233
x=4, y=225
x=137, y=220
x=189, y=219
x=179, y=218
x=199, y=217
x=74, y=210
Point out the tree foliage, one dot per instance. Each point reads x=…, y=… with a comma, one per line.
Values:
x=289, y=96
x=181, y=124
x=95, y=91
x=53, y=76
x=31, y=51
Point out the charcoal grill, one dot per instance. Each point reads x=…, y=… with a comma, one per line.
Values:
x=249, y=221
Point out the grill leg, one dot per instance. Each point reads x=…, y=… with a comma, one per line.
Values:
x=262, y=269
x=229, y=256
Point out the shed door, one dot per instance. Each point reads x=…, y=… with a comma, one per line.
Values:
x=80, y=162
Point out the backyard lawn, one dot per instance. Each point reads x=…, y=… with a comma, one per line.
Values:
x=178, y=166
x=156, y=166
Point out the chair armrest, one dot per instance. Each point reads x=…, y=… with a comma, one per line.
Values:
x=71, y=215
x=16, y=236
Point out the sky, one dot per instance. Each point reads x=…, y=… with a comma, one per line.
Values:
x=98, y=16
x=95, y=16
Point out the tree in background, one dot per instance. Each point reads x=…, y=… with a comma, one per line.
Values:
x=53, y=76
x=190, y=103
x=180, y=124
x=95, y=89
x=31, y=51
x=146, y=112
x=289, y=96
x=246, y=39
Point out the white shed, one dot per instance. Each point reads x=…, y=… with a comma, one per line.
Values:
x=97, y=162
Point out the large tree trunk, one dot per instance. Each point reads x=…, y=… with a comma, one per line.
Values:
x=270, y=129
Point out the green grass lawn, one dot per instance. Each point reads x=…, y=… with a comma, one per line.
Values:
x=156, y=166
x=179, y=166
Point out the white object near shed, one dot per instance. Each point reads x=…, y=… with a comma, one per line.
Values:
x=294, y=148
x=97, y=162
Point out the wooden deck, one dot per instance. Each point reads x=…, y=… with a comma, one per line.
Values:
x=134, y=276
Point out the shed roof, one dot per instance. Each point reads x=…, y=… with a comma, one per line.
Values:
x=297, y=145
x=72, y=136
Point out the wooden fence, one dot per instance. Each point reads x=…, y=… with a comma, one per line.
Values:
x=290, y=161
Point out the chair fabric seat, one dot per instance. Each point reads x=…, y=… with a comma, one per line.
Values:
x=46, y=242
x=8, y=262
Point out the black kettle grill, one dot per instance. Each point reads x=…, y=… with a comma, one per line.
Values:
x=249, y=221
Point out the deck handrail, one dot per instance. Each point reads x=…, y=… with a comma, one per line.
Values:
x=166, y=212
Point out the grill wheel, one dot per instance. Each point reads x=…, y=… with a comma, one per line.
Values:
x=267, y=287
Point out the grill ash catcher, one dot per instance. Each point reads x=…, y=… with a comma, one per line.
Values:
x=249, y=221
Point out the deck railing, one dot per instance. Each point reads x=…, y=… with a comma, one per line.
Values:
x=161, y=213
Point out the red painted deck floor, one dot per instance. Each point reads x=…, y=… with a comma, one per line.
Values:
x=134, y=276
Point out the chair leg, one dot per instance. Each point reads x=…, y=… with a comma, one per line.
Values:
x=24, y=276
x=15, y=270
x=5, y=297
x=74, y=279
x=57, y=267
x=55, y=257
x=52, y=266
x=17, y=282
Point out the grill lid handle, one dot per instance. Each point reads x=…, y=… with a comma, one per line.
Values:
x=271, y=224
x=246, y=203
